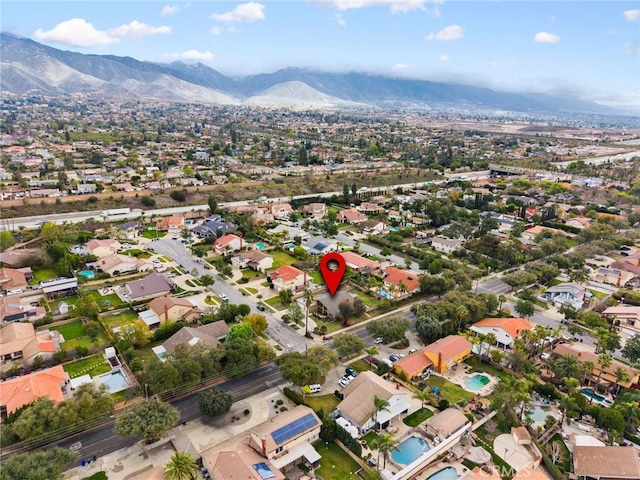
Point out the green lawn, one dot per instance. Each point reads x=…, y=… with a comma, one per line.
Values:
x=281, y=258
x=124, y=317
x=368, y=300
x=417, y=417
x=107, y=301
x=326, y=403
x=598, y=294
x=251, y=290
x=335, y=463
x=360, y=366
x=146, y=353
x=554, y=282
x=93, y=366
x=152, y=234
x=42, y=275
x=100, y=340
x=71, y=330
x=249, y=274
x=478, y=366
x=370, y=437
x=316, y=277
x=212, y=300
x=448, y=390
x=97, y=476
x=331, y=326
x=275, y=303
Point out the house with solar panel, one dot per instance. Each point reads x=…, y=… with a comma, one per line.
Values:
x=318, y=245
x=288, y=439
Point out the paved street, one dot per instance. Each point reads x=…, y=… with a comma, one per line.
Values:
x=288, y=338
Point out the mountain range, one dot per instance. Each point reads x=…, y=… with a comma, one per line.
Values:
x=27, y=66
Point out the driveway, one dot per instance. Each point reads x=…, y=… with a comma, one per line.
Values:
x=288, y=338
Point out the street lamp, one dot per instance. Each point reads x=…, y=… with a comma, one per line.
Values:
x=146, y=393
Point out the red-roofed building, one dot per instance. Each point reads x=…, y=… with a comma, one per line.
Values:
x=506, y=330
x=447, y=351
x=352, y=216
x=360, y=264
x=400, y=283
x=290, y=277
x=413, y=364
x=24, y=390
x=227, y=243
x=172, y=224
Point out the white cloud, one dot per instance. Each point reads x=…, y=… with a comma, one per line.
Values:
x=137, y=30
x=191, y=55
x=245, y=12
x=443, y=58
x=395, y=6
x=80, y=33
x=217, y=30
x=447, y=34
x=546, y=37
x=400, y=67
x=77, y=32
x=341, y=21
x=631, y=49
x=169, y=10
x=631, y=15
x=494, y=64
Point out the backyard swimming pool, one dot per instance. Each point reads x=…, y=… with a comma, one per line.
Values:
x=476, y=382
x=87, y=273
x=590, y=393
x=447, y=473
x=260, y=246
x=409, y=450
x=539, y=414
x=385, y=294
x=115, y=381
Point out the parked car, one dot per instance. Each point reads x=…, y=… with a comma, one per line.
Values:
x=343, y=382
x=545, y=356
x=413, y=350
x=224, y=297
x=378, y=340
x=260, y=307
x=315, y=388
x=394, y=357
x=351, y=371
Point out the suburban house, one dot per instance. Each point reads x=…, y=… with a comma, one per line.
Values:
x=612, y=276
x=172, y=224
x=329, y=305
x=318, y=245
x=127, y=231
x=369, y=208
x=14, y=278
x=446, y=423
x=151, y=286
x=413, y=365
x=103, y=248
x=253, y=259
x=626, y=318
x=372, y=226
x=21, y=391
x=583, y=353
x=506, y=330
x=287, y=438
x=351, y=216
x=536, y=230
x=400, y=283
x=174, y=309
x=119, y=264
x=260, y=219
x=238, y=462
x=360, y=263
x=288, y=234
x=209, y=335
x=600, y=463
x=358, y=406
x=567, y=293
x=214, y=226
x=316, y=210
x=287, y=276
x=447, y=352
x=579, y=222
x=19, y=341
x=281, y=210
x=446, y=245
x=59, y=287
x=12, y=310
x=227, y=243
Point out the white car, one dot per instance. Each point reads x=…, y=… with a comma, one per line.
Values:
x=343, y=382
x=378, y=340
x=224, y=297
x=545, y=356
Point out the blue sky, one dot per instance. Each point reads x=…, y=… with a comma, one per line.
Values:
x=586, y=48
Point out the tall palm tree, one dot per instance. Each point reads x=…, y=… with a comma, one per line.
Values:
x=604, y=361
x=501, y=300
x=461, y=314
x=371, y=351
x=308, y=300
x=425, y=396
x=586, y=367
x=379, y=405
x=491, y=339
x=621, y=376
x=385, y=443
x=182, y=466
x=566, y=366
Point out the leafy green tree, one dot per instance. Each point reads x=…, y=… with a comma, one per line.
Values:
x=6, y=240
x=160, y=376
x=258, y=322
x=298, y=369
x=148, y=420
x=46, y=464
x=295, y=313
x=385, y=443
x=36, y=420
x=631, y=350
x=429, y=329
x=181, y=466
x=241, y=355
x=525, y=308
x=213, y=204
x=214, y=402
x=348, y=344
x=51, y=233
x=285, y=295
x=86, y=306
x=390, y=329
x=206, y=280
x=240, y=330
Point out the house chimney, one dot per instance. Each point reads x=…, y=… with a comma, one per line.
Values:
x=264, y=446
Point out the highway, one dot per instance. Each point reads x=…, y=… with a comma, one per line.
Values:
x=34, y=222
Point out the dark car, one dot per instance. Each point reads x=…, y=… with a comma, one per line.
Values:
x=260, y=307
x=351, y=371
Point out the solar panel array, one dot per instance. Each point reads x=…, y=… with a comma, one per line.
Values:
x=263, y=470
x=294, y=428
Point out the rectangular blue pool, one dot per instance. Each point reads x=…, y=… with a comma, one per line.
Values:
x=409, y=450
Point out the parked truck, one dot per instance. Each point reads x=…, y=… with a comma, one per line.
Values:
x=115, y=212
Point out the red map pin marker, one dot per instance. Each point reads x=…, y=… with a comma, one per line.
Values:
x=332, y=267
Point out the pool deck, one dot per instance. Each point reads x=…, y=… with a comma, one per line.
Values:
x=462, y=372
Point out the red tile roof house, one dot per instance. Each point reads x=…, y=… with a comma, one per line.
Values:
x=287, y=276
x=24, y=390
x=400, y=283
x=19, y=341
x=360, y=264
x=172, y=224
x=351, y=216
x=227, y=243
